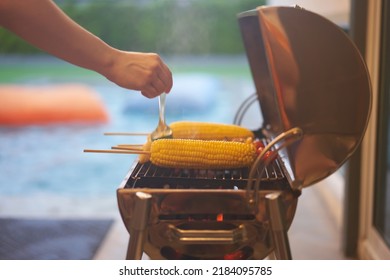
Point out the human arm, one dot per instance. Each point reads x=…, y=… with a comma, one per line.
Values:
x=44, y=25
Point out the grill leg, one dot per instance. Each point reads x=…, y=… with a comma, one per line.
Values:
x=138, y=226
x=278, y=228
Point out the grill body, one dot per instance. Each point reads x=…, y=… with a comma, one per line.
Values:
x=206, y=214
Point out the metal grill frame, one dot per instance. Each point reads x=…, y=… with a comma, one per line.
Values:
x=160, y=230
x=150, y=176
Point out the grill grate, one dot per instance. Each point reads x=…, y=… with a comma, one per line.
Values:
x=148, y=175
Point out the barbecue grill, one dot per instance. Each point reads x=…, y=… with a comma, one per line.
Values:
x=314, y=94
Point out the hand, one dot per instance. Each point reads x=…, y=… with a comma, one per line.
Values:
x=145, y=72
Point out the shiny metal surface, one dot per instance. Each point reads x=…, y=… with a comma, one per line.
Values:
x=162, y=130
x=206, y=224
x=138, y=225
x=278, y=226
x=204, y=214
x=308, y=74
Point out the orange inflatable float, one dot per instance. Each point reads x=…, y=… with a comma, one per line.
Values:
x=38, y=105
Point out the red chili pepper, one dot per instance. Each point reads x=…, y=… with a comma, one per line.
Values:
x=258, y=144
x=267, y=155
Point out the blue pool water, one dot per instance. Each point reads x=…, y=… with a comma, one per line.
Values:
x=49, y=160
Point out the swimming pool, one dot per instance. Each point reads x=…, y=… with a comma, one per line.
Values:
x=45, y=167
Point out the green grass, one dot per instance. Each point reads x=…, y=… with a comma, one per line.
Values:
x=20, y=72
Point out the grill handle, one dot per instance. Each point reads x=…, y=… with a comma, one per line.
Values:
x=287, y=138
x=207, y=236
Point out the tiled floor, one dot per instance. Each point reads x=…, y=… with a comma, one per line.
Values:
x=315, y=232
x=316, y=229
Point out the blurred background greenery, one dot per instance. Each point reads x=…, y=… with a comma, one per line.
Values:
x=168, y=27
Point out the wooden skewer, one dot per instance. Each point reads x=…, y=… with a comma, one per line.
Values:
x=115, y=151
x=130, y=145
x=129, y=148
x=127, y=133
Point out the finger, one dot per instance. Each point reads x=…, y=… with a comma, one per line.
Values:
x=165, y=76
x=159, y=85
x=150, y=91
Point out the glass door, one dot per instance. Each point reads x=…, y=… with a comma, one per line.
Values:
x=382, y=186
x=374, y=233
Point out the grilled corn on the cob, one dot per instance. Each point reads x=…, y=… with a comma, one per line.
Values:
x=201, y=154
x=208, y=131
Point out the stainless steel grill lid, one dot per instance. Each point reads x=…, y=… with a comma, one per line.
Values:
x=307, y=74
